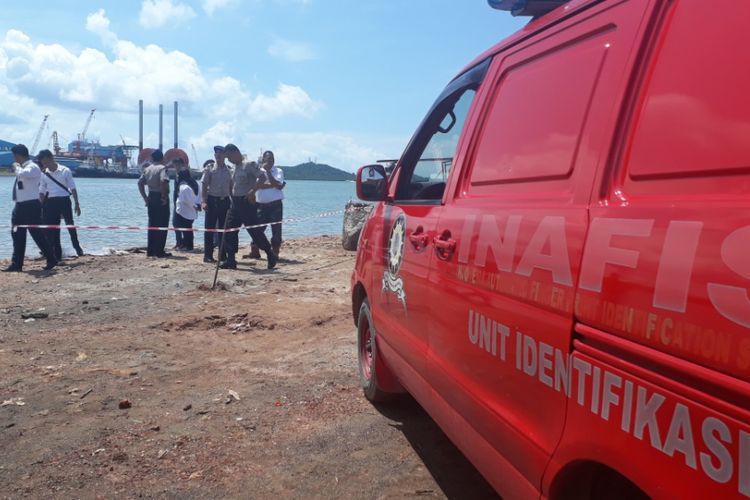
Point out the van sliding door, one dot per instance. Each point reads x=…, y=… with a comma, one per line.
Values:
x=518, y=216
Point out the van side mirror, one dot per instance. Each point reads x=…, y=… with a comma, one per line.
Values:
x=372, y=183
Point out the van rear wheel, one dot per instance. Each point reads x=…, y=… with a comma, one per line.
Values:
x=368, y=356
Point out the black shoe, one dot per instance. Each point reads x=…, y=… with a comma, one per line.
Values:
x=12, y=269
x=228, y=264
x=273, y=259
x=209, y=260
x=50, y=265
x=79, y=252
x=163, y=255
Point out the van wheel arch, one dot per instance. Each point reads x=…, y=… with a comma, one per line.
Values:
x=588, y=480
x=358, y=296
x=377, y=380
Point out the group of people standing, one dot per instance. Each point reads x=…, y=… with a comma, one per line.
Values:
x=243, y=194
x=154, y=188
x=41, y=195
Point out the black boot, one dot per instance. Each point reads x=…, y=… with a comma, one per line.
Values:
x=272, y=259
x=254, y=252
x=230, y=263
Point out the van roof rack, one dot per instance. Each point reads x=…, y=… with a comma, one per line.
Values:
x=533, y=8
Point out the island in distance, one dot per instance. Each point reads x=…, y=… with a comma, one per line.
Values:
x=303, y=172
x=316, y=172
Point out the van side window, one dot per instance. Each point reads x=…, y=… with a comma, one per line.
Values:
x=540, y=106
x=693, y=119
x=424, y=178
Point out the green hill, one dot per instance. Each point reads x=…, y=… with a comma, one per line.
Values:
x=316, y=172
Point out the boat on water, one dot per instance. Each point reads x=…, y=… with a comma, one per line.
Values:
x=71, y=163
x=88, y=168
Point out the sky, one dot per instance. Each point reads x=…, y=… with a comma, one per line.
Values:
x=342, y=82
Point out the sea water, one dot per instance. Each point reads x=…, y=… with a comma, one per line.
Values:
x=117, y=202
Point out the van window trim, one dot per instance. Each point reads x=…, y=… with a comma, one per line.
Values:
x=614, y=167
x=472, y=78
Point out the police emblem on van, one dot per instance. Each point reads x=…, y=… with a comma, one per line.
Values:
x=391, y=280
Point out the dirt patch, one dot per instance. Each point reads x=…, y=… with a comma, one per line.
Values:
x=247, y=390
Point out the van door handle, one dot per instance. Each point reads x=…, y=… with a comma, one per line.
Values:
x=419, y=238
x=445, y=246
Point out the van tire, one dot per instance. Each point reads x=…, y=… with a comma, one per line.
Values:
x=367, y=356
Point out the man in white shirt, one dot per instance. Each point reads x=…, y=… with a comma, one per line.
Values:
x=27, y=211
x=269, y=196
x=55, y=189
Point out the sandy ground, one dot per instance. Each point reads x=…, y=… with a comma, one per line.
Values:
x=250, y=391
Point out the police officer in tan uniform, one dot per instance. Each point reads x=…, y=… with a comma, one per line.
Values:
x=216, y=190
x=155, y=178
x=244, y=210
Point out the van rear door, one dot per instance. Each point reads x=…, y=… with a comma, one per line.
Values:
x=518, y=215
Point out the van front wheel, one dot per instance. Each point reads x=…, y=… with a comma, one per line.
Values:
x=368, y=356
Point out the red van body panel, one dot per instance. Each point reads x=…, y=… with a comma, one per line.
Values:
x=579, y=297
x=535, y=26
x=519, y=217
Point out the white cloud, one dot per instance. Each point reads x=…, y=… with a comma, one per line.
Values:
x=211, y=6
x=219, y=133
x=160, y=13
x=54, y=75
x=216, y=108
x=38, y=79
x=288, y=100
x=98, y=23
x=291, y=51
x=338, y=149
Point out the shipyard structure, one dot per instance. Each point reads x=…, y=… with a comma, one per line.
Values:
x=89, y=158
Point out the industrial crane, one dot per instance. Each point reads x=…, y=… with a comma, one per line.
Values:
x=38, y=135
x=55, y=142
x=82, y=135
x=195, y=157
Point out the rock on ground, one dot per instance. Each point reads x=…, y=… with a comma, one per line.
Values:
x=355, y=216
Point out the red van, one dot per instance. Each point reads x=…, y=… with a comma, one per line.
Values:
x=558, y=267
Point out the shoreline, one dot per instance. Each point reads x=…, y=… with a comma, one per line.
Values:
x=128, y=249
x=4, y=172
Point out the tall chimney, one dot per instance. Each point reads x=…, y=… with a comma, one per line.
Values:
x=140, y=125
x=161, y=127
x=175, y=124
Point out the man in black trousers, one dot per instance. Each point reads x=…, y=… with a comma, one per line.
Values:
x=244, y=210
x=27, y=211
x=56, y=188
x=217, y=188
x=155, y=178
